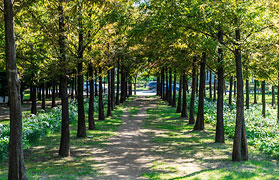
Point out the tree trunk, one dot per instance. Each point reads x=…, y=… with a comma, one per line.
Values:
x=43, y=96
x=234, y=89
x=109, y=94
x=170, y=87
x=122, y=95
x=64, y=149
x=91, y=121
x=81, y=132
x=178, y=109
x=72, y=89
x=273, y=96
x=162, y=83
x=135, y=86
x=247, y=93
x=101, y=103
x=118, y=84
x=192, y=103
x=240, y=150
x=16, y=158
x=167, y=86
x=210, y=82
x=87, y=85
x=263, y=99
x=113, y=88
x=255, y=91
x=230, y=94
x=157, y=85
x=184, y=99
x=96, y=80
x=126, y=86
x=53, y=96
x=200, y=118
x=34, y=100
x=214, y=88
x=197, y=86
x=104, y=85
x=174, y=91
x=220, y=137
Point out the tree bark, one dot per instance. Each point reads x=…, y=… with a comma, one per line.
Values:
x=113, y=88
x=200, y=118
x=192, y=103
x=64, y=149
x=72, y=89
x=122, y=95
x=101, y=103
x=214, y=88
x=178, y=109
x=53, y=96
x=230, y=94
x=135, y=86
x=157, y=85
x=240, y=150
x=174, y=91
x=81, y=132
x=220, y=137
x=255, y=91
x=104, y=85
x=96, y=80
x=170, y=87
x=16, y=158
x=184, y=99
x=43, y=96
x=247, y=93
x=109, y=94
x=167, y=86
x=34, y=100
x=263, y=99
x=87, y=84
x=91, y=121
x=234, y=89
x=197, y=85
x=118, y=84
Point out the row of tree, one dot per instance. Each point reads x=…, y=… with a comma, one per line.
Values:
x=59, y=42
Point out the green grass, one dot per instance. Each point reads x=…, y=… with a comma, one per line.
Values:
x=176, y=142
x=42, y=161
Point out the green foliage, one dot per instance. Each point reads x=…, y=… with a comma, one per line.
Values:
x=35, y=127
x=261, y=132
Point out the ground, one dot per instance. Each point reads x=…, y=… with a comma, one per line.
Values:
x=145, y=139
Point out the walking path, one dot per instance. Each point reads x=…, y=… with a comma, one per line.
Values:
x=128, y=154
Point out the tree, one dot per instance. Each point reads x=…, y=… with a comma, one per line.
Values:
x=16, y=159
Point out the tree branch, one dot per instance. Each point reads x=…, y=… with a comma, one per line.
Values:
x=1, y=9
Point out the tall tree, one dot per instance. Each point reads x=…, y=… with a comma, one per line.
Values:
x=16, y=158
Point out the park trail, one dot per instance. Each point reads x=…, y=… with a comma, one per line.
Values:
x=128, y=154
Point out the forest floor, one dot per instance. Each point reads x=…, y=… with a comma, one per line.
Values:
x=144, y=139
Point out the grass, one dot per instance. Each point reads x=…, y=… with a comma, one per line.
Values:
x=42, y=161
x=188, y=154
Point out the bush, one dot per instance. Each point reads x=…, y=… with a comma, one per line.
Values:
x=36, y=126
x=261, y=132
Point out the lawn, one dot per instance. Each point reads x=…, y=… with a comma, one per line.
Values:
x=42, y=161
x=188, y=154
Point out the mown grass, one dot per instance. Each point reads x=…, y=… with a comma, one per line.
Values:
x=176, y=143
x=42, y=160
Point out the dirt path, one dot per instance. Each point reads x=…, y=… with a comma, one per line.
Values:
x=128, y=154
